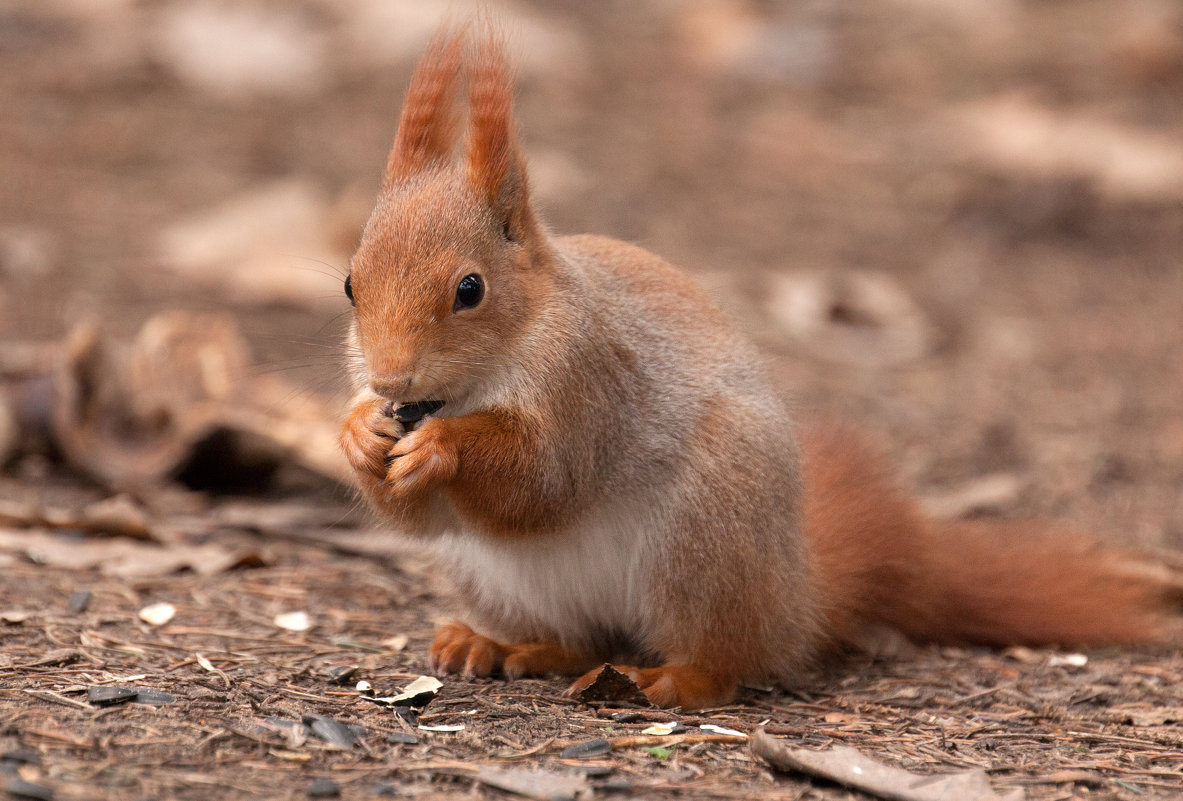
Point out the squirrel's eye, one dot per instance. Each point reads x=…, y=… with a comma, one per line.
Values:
x=469, y=292
x=349, y=288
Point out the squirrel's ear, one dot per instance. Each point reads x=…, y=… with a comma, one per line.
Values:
x=494, y=165
x=428, y=126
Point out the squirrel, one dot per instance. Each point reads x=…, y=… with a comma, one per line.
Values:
x=597, y=457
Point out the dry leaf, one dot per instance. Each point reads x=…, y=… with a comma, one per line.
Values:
x=857, y=318
x=396, y=643
x=125, y=558
x=850, y=768
x=541, y=784
x=179, y=400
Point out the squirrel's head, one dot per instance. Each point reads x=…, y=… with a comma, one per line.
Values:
x=452, y=261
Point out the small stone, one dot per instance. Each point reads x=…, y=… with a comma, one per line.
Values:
x=587, y=749
x=158, y=614
x=401, y=738
x=79, y=601
x=147, y=695
x=294, y=621
x=110, y=696
x=323, y=788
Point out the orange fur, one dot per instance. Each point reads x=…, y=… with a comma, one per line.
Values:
x=459, y=649
x=427, y=126
x=611, y=475
x=880, y=562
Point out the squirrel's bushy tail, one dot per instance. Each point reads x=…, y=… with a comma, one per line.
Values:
x=880, y=562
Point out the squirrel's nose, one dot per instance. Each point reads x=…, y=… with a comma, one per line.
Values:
x=393, y=387
x=394, y=382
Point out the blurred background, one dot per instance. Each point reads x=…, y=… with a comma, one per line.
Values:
x=958, y=223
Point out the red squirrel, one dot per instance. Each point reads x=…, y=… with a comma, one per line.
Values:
x=599, y=461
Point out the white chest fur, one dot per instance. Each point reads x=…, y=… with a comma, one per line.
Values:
x=578, y=586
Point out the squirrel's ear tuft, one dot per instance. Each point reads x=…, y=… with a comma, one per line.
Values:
x=494, y=165
x=428, y=126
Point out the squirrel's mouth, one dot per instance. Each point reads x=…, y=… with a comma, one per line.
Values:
x=411, y=413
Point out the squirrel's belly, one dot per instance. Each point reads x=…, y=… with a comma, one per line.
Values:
x=584, y=586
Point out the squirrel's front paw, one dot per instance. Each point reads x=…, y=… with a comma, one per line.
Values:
x=367, y=436
x=422, y=458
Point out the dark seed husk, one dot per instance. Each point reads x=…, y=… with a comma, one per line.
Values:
x=110, y=696
x=324, y=788
x=22, y=755
x=334, y=731
x=414, y=412
x=146, y=695
x=586, y=749
x=19, y=788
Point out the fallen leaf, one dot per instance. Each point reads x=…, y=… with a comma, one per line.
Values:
x=396, y=643
x=118, y=516
x=850, y=768
x=852, y=317
x=541, y=784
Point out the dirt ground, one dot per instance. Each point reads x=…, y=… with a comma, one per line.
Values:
x=984, y=199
